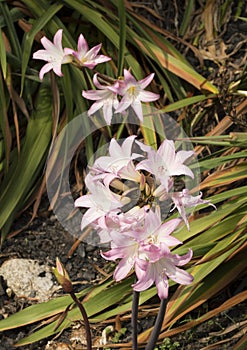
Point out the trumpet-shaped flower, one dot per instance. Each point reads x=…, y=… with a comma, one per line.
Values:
x=54, y=54
x=156, y=233
x=105, y=97
x=165, y=162
x=88, y=58
x=183, y=200
x=100, y=202
x=124, y=247
x=159, y=268
x=135, y=240
x=119, y=163
x=121, y=222
x=133, y=93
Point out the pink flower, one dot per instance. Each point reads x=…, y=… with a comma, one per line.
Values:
x=88, y=58
x=134, y=240
x=124, y=247
x=119, y=163
x=159, y=270
x=105, y=97
x=183, y=200
x=121, y=223
x=165, y=162
x=156, y=232
x=100, y=202
x=133, y=93
x=54, y=54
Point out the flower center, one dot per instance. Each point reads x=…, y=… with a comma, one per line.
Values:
x=132, y=90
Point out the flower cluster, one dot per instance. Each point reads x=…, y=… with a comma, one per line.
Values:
x=108, y=94
x=126, y=192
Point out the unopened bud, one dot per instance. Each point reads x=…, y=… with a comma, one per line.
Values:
x=142, y=182
x=62, y=276
x=147, y=189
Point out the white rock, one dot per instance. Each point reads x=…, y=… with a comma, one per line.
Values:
x=27, y=278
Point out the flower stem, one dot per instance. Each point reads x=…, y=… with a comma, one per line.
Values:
x=157, y=326
x=134, y=319
x=85, y=319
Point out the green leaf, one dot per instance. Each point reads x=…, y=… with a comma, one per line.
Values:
x=96, y=304
x=185, y=102
x=3, y=57
x=176, y=66
x=23, y=174
x=11, y=32
x=122, y=36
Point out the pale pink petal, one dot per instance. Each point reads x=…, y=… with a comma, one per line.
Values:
x=128, y=78
x=184, y=259
x=84, y=201
x=146, y=81
x=48, y=45
x=123, y=268
x=46, y=68
x=107, y=112
x=123, y=105
x=115, y=149
x=58, y=39
x=82, y=45
x=92, y=62
x=97, y=83
x=162, y=286
x=137, y=106
x=95, y=107
x=95, y=94
x=92, y=53
x=90, y=216
x=57, y=69
x=182, y=156
x=40, y=55
x=113, y=254
x=180, y=276
x=128, y=143
x=147, y=96
x=167, y=151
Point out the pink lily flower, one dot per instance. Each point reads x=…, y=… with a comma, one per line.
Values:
x=159, y=270
x=88, y=58
x=133, y=93
x=100, y=202
x=125, y=247
x=135, y=240
x=121, y=223
x=156, y=232
x=183, y=200
x=105, y=97
x=54, y=54
x=165, y=162
x=119, y=163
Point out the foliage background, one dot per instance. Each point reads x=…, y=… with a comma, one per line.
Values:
x=200, y=72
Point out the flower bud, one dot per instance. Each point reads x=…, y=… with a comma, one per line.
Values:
x=142, y=182
x=62, y=276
